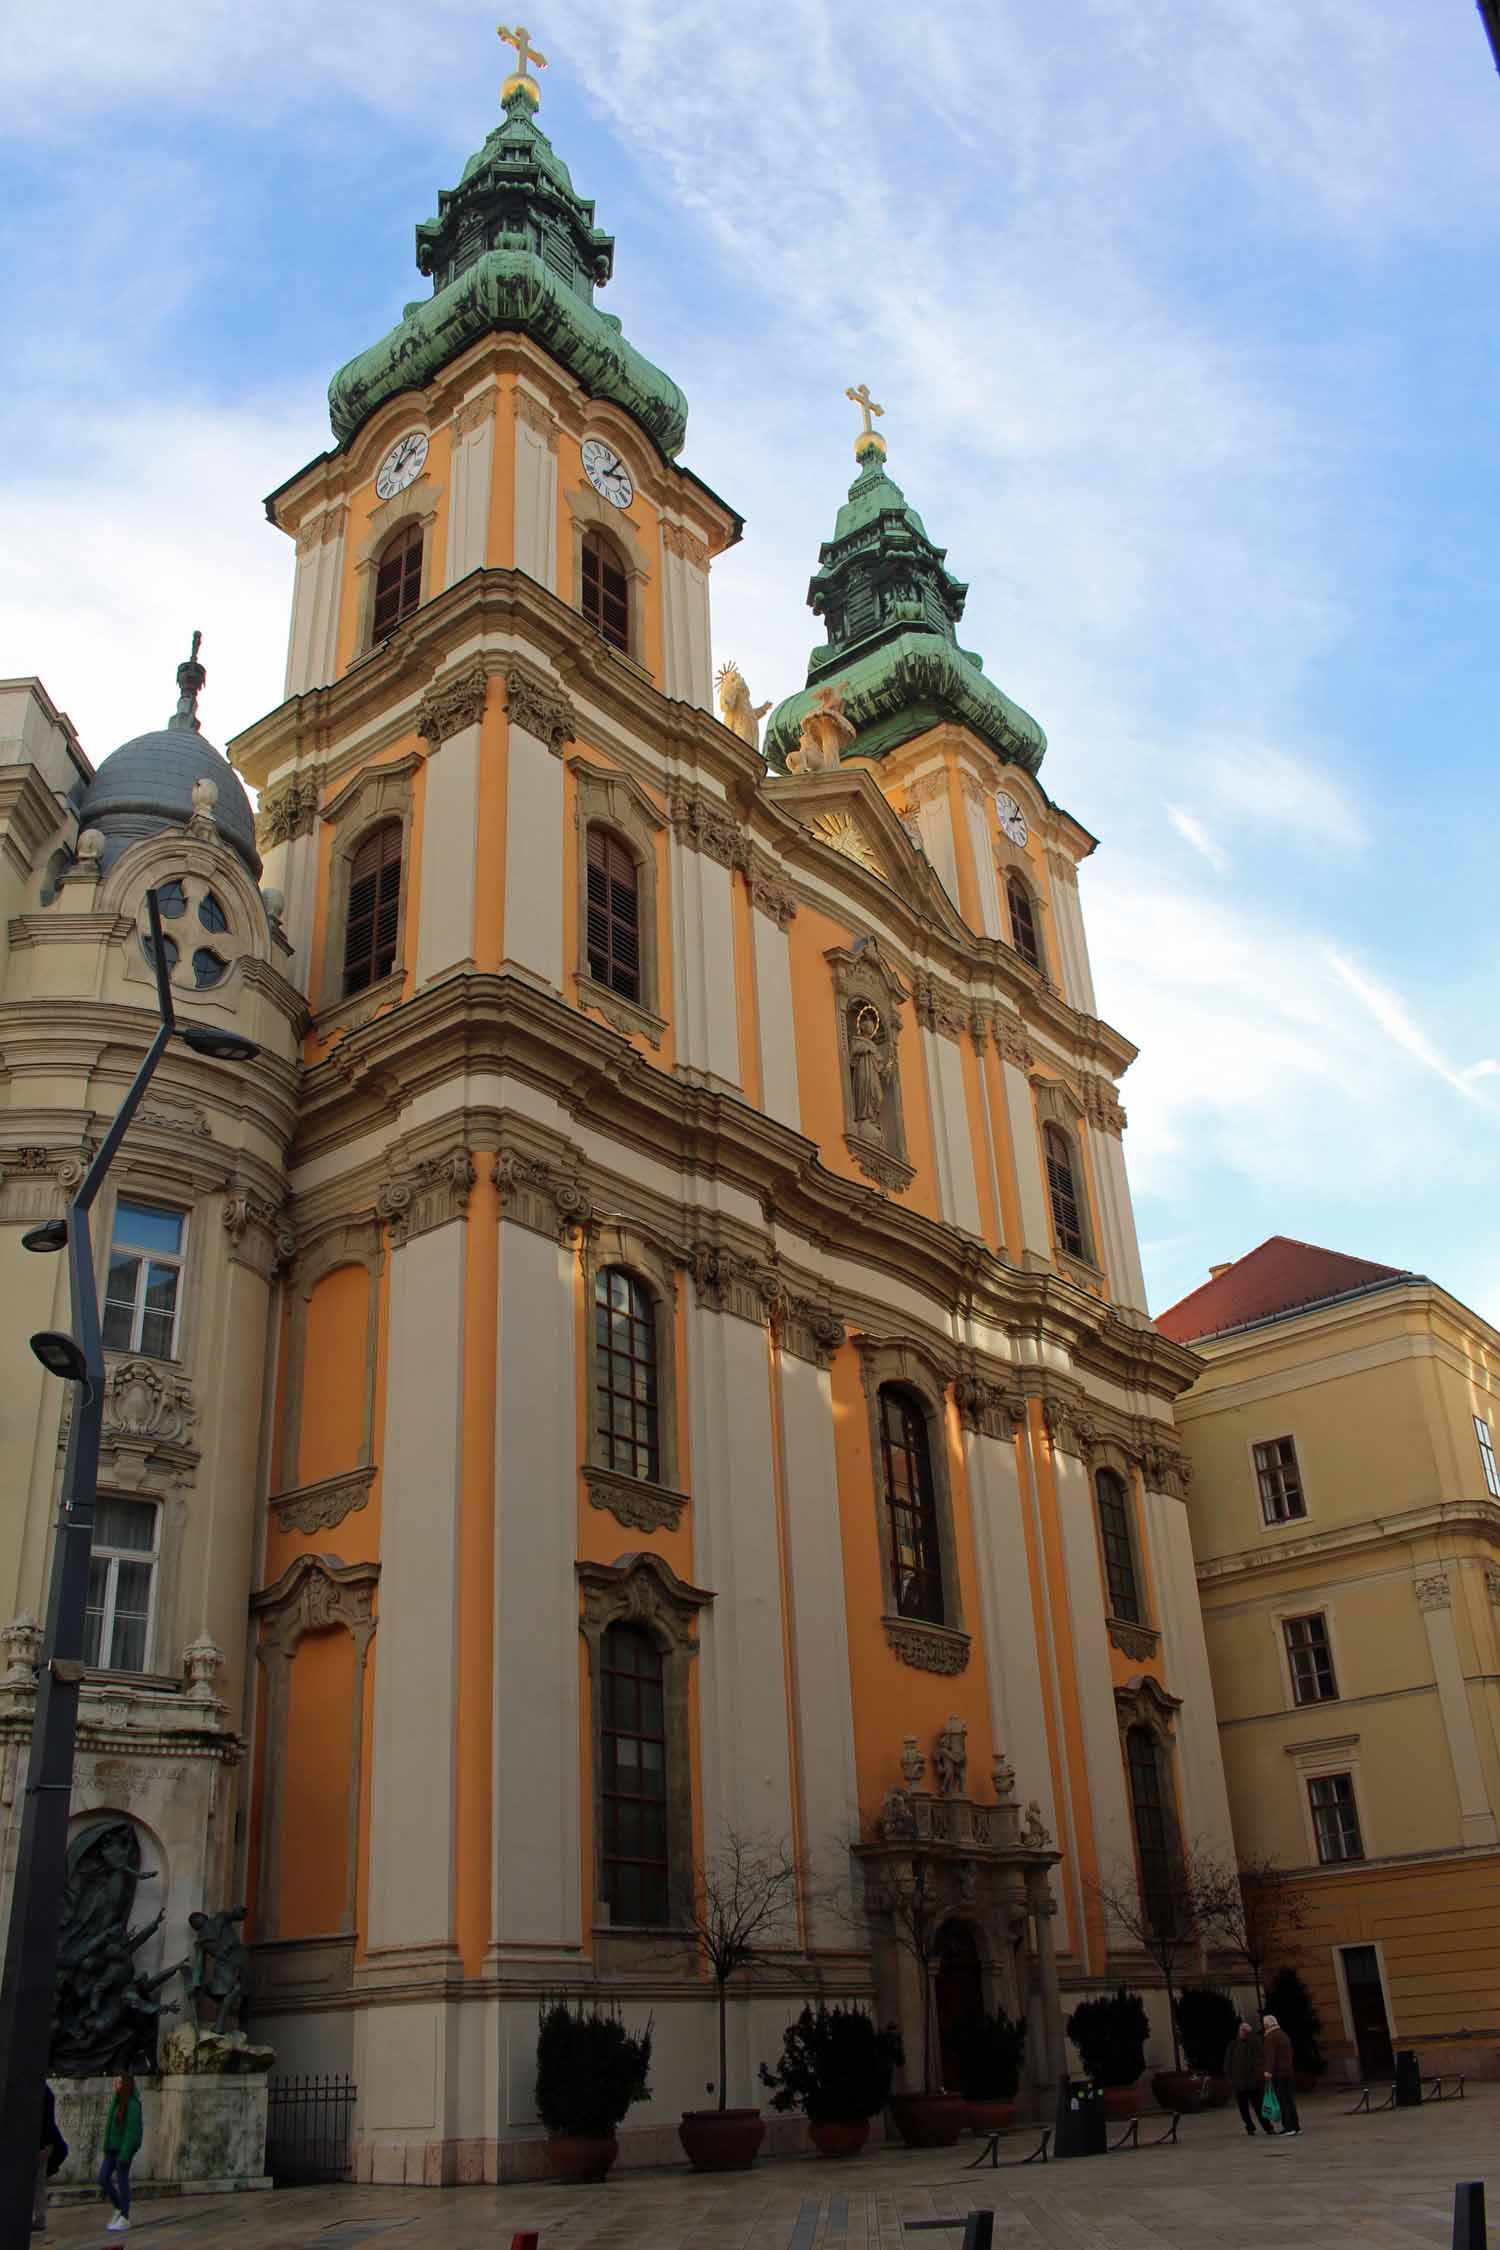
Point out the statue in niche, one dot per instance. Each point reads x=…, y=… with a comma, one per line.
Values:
x=870, y=1064
x=950, y=1760
x=220, y=1972
x=105, y=2013
x=740, y=715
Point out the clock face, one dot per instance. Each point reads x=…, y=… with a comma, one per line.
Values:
x=607, y=473
x=402, y=465
x=1012, y=819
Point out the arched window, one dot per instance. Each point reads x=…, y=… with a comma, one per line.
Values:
x=614, y=915
x=1153, y=1838
x=633, y=1783
x=1119, y=1553
x=374, y=912
x=911, y=1510
x=1023, y=930
x=625, y=1386
x=606, y=601
x=398, y=581
x=1062, y=1187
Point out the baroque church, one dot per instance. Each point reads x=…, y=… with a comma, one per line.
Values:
x=654, y=1350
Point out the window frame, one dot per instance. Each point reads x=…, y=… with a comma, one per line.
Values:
x=1015, y=885
x=1487, y=1459
x=1292, y=1651
x=375, y=795
x=609, y=1800
x=135, y=1348
x=112, y=1557
x=1052, y=1130
x=927, y=1525
x=605, y=797
x=903, y=1362
x=413, y=532
x=1127, y=1532
x=1167, y=1845
x=616, y=1246
x=598, y=540
x=643, y=1313
x=391, y=824
x=611, y=846
x=1332, y=1779
x=1260, y=1471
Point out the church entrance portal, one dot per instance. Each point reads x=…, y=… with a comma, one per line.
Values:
x=960, y=1992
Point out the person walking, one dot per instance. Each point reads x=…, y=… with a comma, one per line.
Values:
x=1276, y=2060
x=122, y=2137
x=1244, y=2067
x=52, y=2152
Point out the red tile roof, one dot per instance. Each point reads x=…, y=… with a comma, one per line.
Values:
x=1278, y=1276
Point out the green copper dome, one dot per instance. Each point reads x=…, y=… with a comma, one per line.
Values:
x=891, y=608
x=513, y=246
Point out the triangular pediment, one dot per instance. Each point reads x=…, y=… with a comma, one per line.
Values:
x=846, y=812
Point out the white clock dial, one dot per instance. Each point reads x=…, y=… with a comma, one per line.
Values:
x=607, y=473
x=1011, y=818
x=402, y=465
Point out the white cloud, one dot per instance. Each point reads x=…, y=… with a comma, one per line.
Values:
x=1279, y=789
x=1390, y=1012
x=1192, y=831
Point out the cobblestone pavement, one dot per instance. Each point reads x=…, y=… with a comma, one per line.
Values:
x=1383, y=2183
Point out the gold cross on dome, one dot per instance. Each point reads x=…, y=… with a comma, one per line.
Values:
x=520, y=39
x=869, y=439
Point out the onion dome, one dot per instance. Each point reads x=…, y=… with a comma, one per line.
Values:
x=147, y=784
x=891, y=608
x=513, y=246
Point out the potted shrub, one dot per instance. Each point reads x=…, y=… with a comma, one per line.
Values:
x=589, y=2070
x=990, y=2052
x=1110, y=2033
x=836, y=2067
x=1290, y=2002
x=1207, y=2019
x=744, y=1899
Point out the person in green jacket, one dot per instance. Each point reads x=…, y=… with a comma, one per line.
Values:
x=122, y=2137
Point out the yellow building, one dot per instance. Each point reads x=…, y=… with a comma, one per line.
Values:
x=1346, y=1522
x=687, y=1367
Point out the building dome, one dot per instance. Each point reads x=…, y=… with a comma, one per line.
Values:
x=147, y=784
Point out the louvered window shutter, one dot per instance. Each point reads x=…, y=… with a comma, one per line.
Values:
x=1064, y=1192
x=613, y=915
x=374, y=914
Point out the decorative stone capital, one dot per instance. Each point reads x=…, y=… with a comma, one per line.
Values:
x=770, y=893
x=632, y=1501
x=1434, y=1591
x=202, y=1662
x=534, y=414
x=678, y=540
x=473, y=415
x=21, y=1641
x=453, y=704
x=1164, y=1468
x=538, y=1196
x=288, y=810
x=319, y=1506
x=1069, y=1427
x=987, y=1408
x=1101, y=1105
x=541, y=709
x=1010, y=1038
x=726, y=1281
x=705, y=824
x=431, y=1193
x=257, y=1231
x=927, y=1648
x=1063, y=869
x=938, y=1006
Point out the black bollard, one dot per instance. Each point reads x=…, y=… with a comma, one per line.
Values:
x=1408, y=2080
x=1468, y=2216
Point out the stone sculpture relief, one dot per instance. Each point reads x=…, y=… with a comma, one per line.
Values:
x=219, y=1975
x=106, y=2013
x=950, y=1760
x=740, y=715
x=826, y=733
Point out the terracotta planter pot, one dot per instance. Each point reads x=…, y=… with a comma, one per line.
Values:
x=721, y=2140
x=1189, y=2090
x=991, y=2116
x=838, y=2136
x=579, y=2157
x=929, y=2120
x=1123, y=2101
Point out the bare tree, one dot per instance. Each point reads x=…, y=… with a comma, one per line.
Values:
x=1167, y=1917
x=1257, y=1912
x=745, y=1896
x=917, y=1914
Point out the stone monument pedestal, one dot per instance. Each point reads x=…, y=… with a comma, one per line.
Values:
x=205, y=2129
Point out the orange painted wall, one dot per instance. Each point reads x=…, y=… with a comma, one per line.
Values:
x=333, y=1406
x=645, y=593
x=315, y=1786
x=664, y=1056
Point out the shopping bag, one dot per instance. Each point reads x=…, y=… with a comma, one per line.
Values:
x=1270, y=2108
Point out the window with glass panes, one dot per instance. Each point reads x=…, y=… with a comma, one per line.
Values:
x=605, y=598
x=1487, y=1457
x=910, y=1506
x=143, y=1288
x=614, y=915
x=625, y=1388
x=1280, y=1480
x=633, y=1790
x=1310, y=1659
x=1335, y=1819
x=1119, y=1553
x=122, y=1566
x=1062, y=1188
x=1153, y=1841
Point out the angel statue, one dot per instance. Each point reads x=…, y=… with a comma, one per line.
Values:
x=741, y=716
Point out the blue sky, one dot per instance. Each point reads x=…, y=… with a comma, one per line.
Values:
x=1185, y=319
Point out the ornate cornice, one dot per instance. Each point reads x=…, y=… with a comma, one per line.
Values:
x=927, y=1648
x=632, y=1501
x=320, y=1506
x=289, y=810
x=451, y=705
x=541, y=708
x=1101, y=1105
x=430, y=1193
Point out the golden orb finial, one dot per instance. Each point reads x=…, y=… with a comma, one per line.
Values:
x=520, y=80
x=869, y=442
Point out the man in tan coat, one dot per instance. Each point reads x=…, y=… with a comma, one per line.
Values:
x=1244, y=2067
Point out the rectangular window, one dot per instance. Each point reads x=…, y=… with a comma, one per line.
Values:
x=1487, y=1456
x=1310, y=1659
x=143, y=1288
x=1335, y=1821
x=1280, y=1482
x=122, y=1569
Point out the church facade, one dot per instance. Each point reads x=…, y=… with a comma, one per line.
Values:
x=655, y=1353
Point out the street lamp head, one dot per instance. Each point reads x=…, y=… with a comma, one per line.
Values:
x=221, y=1046
x=52, y=1234
x=60, y=1355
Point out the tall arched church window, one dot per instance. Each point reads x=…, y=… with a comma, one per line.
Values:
x=1153, y=1835
x=398, y=580
x=606, y=600
x=1023, y=929
x=1119, y=1551
x=1063, y=1189
x=625, y=1375
x=910, y=1506
x=614, y=915
x=633, y=1783
x=374, y=910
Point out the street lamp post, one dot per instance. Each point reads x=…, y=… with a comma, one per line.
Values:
x=30, y=1977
